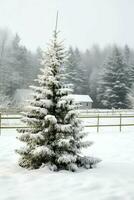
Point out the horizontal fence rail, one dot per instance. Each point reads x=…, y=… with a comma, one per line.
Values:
x=84, y=116
x=107, y=111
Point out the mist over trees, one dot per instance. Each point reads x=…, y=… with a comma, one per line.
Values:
x=18, y=66
x=100, y=73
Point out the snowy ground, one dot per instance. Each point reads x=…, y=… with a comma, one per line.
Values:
x=113, y=179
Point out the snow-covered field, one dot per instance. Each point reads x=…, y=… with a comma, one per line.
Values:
x=113, y=179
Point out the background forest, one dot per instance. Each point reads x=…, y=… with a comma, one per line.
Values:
x=92, y=72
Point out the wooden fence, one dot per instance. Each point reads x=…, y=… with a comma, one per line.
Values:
x=97, y=124
x=99, y=117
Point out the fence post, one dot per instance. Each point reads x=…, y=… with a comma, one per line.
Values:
x=120, y=122
x=0, y=123
x=98, y=119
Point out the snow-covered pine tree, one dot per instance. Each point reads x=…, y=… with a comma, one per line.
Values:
x=129, y=66
x=82, y=74
x=112, y=87
x=77, y=73
x=131, y=96
x=55, y=134
x=71, y=69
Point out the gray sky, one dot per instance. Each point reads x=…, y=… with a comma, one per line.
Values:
x=82, y=22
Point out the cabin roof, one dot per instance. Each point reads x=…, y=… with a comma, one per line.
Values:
x=81, y=98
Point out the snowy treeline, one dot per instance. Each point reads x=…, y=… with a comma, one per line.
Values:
x=18, y=66
x=106, y=75
x=88, y=71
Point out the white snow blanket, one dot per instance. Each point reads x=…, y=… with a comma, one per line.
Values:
x=113, y=179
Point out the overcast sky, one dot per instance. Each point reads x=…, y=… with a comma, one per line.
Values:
x=82, y=22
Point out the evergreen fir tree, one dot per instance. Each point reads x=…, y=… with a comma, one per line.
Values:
x=55, y=134
x=77, y=73
x=127, y=54
x=82, y=75
x=71, y=69
x=131, y=96
x=129, y=67
x=112, y=88
x=96, y=62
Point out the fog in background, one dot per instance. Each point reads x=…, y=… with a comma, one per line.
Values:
x=90, y=29
x=82, y=22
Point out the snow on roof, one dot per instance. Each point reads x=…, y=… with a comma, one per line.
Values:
x=80, y=98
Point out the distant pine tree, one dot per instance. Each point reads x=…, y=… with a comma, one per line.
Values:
x=55, y=134
x=71, y=69
x=112, y=87
x=82, y=74
x=131, y=96
x=77, y=73
x=129, y=67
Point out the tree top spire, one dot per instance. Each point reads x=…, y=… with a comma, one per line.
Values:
x=56, y=24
